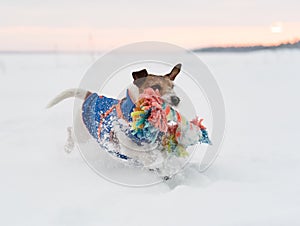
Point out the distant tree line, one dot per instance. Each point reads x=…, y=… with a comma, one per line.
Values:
x=286, y=45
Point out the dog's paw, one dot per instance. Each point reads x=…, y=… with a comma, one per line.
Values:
x=68, y=148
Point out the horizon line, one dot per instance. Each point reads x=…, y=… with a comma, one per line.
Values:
x=47, y=51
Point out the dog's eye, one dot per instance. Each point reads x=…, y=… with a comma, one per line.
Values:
x=155, y=87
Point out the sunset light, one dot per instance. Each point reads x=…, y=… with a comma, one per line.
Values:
x=276, y=27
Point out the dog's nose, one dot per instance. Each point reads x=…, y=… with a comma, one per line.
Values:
x=175, y=100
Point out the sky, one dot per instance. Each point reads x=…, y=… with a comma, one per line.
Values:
x=79, y=25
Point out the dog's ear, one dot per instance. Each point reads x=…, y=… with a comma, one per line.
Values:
x=139, y=77
x=175, y=71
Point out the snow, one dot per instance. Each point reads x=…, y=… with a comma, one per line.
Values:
x=252, y=182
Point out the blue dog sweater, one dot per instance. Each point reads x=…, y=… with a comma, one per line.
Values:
x=99, y=113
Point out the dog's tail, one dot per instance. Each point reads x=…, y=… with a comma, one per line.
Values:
x=78, y=93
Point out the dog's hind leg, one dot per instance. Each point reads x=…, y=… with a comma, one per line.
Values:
x=69, y=146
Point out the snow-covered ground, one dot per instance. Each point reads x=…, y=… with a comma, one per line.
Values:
x=252, y=182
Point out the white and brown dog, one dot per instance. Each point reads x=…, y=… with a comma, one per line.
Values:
x=103, y=117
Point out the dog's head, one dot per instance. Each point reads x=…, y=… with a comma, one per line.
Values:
x=163, y=83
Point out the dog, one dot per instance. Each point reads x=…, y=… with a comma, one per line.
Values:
x=105, y=119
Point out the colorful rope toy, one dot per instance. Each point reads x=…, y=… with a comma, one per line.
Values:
x=153, y=120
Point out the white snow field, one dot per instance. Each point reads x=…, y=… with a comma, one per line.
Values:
x=254, y=181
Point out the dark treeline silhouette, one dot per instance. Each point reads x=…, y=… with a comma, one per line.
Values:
x=287, y=45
